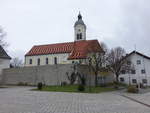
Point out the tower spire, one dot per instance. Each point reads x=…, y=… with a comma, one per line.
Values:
x=79, y=16
x=80, y=29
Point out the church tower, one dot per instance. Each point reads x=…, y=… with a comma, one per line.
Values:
x=80, y=29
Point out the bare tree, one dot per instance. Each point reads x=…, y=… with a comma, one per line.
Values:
x=82, y=78
x=104, y=47
x=97, y=61
x=116, y=61
x=2, y=38
x=16, y=62
x=73, y=76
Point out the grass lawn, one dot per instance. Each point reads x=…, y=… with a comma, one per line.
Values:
x=73, y=88
x=2, y=87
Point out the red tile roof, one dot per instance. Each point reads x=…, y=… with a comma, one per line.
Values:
x=77, y=49
x=82, y=48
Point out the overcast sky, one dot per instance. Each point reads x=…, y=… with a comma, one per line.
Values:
x=124, y=23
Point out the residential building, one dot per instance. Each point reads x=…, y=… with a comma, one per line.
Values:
x=139, y=71
x=4, y=59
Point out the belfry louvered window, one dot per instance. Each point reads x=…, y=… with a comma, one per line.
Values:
x=78, y=36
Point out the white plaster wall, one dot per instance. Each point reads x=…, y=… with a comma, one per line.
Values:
x=145, y=64
x=4, y=63
x=61, y=59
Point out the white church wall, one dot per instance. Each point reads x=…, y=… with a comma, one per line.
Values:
x=61, y=59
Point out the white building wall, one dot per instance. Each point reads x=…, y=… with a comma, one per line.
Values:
x=61, y=59
x=145, y=64
x=4, y=63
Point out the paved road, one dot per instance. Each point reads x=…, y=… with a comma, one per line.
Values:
x=22, y=100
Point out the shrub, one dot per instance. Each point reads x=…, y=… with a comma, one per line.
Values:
x=25, y=84
x=102, y=85
x=132, y=89
x=115, y=82
x=63, y=83
x=20, y=84
x=40, y=85
x=81, y=88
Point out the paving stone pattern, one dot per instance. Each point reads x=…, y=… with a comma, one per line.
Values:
x=144, y=98
x=22, y=100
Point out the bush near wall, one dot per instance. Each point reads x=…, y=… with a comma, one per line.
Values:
x=132, y=89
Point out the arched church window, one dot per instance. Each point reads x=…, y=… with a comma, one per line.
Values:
x=38, y=61
x=30, y=61
x=46, y=60
x=55, y=60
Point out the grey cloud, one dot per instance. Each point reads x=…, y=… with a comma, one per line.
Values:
x=116, y=22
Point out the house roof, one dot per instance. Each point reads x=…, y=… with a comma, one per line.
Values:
x=3, y=54
x=77, y=49
x=135, y=52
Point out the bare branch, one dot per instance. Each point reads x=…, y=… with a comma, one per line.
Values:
x=16, y=62
x=116, y=61
x=2, y=37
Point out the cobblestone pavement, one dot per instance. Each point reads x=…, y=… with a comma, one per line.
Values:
x=144, y=98
x=22, y=100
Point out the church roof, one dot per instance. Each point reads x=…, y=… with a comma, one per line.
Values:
x=77, y=49
x=82, y=48
x=3, y=54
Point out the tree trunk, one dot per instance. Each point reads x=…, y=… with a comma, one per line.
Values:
x=117, y=77
x=96, y=84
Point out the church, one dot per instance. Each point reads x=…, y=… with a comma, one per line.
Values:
x=64, y=53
